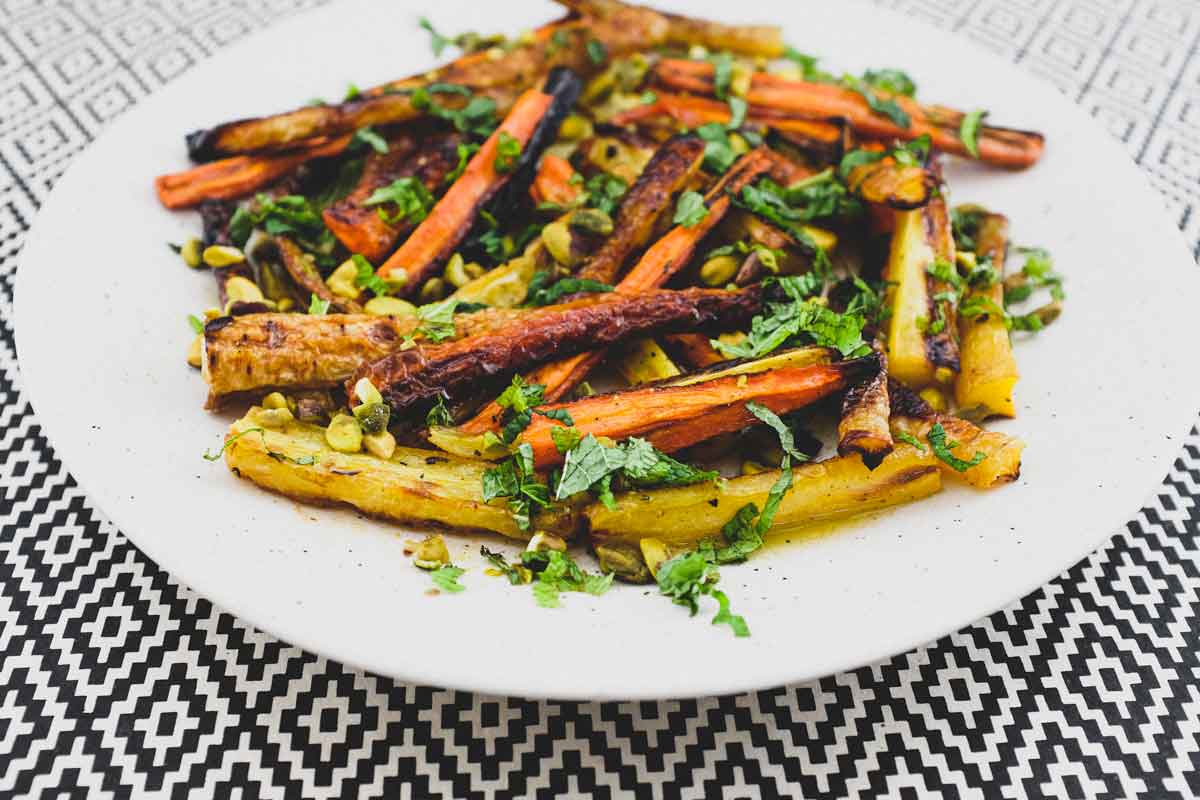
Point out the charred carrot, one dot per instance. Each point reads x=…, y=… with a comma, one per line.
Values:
x=451, y=219
x=692, y=349
x=675, y=417
x=1002, y=147
x=552, y=183
x=692, y=112
x=864, y=428
x=361, y=227
x=239, y=176
x=657, y=265
x=651, y=196
x=425, y=372
x=498, y=79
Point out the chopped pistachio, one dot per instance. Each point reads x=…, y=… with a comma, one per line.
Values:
x=390, y=307
x=935, y=399
x=220, y=255
x=273, y=417
x=381, y=444
x=434, y=289
x=654, y=551
x=342, y=280
x=557, y=238
x=431, y=553
x=718, y=271
x=344, y=434
x=190, y=252
x=366, y=392
x=546, y=541
x=575, y=127
x=243, y=290
x=275, y=400
x=591, y=220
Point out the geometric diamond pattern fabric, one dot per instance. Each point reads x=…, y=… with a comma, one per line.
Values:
x=115, y=681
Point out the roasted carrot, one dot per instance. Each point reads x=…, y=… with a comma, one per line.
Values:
x=692, y=112
x=360, y=227
x=893, y=184
x=864, y=428
x=988, y=370
x=552, y=183
x=999, y=454
x=304, y=272
x=1002, y=147
x=651, y=197
x=657, y=265
x=675, y=417
x=692, y=349
x=451, y=219
x=239, y=176
x=765, y=41
x=498, y=79
x=425, y=372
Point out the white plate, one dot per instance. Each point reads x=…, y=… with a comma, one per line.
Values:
x=1104, y=396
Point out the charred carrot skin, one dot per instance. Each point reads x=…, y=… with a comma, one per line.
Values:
x=425, y=372
x=239, y=176
x=562, y=44
x=664, y=176
x=864, y=428
x=360, y=227
x=657, y=265
x=1003, y=147
x=675, y=417
x=452, y=217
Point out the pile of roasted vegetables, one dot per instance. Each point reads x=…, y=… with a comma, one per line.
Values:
x=611, y=282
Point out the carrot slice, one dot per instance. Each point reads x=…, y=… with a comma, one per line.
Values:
x=239, y=176
x=675, y=417
x=1002, y=147
x=552, y=183
x=657, y=265
x=450, y=220
x=692, y=112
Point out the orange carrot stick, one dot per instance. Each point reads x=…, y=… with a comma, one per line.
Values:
x=692, y=112
x=239, y=176
x=675, y=417
x=450, y=220
x=657, y=265
x=1002, y=147
x=552, y=183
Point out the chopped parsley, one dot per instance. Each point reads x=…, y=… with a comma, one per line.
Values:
x=508, y=152
x=515, y=480
x=942, y=447
x=477, y=117
x=883, y=106
x=908, y=438
x=196, y=323
x=292, y=215
x=592, y=466
x=799, y=320
x=690, y=211
x=557, y=572
x=722, y=74
x=497, y=560
x=890, y=80
x=318, y=307
x=446, y=578
x=366, y=278
x=368, y=137
x=408, y=195
x=766, y=199
x=719, y=153
x=604, y=191
x=438, y=414
x=545, y=289
x=518, y=401
x=597, y=53
x=968, y=131
x=437, y=319
x=464, y=151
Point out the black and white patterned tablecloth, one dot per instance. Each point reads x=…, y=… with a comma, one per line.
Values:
x=115, y=680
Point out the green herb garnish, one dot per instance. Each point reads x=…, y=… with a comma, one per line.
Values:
x=412, y=201
x=317, y=306
x=690, y=211
x=942, y=447
x=968, y=132
x=508, y=152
